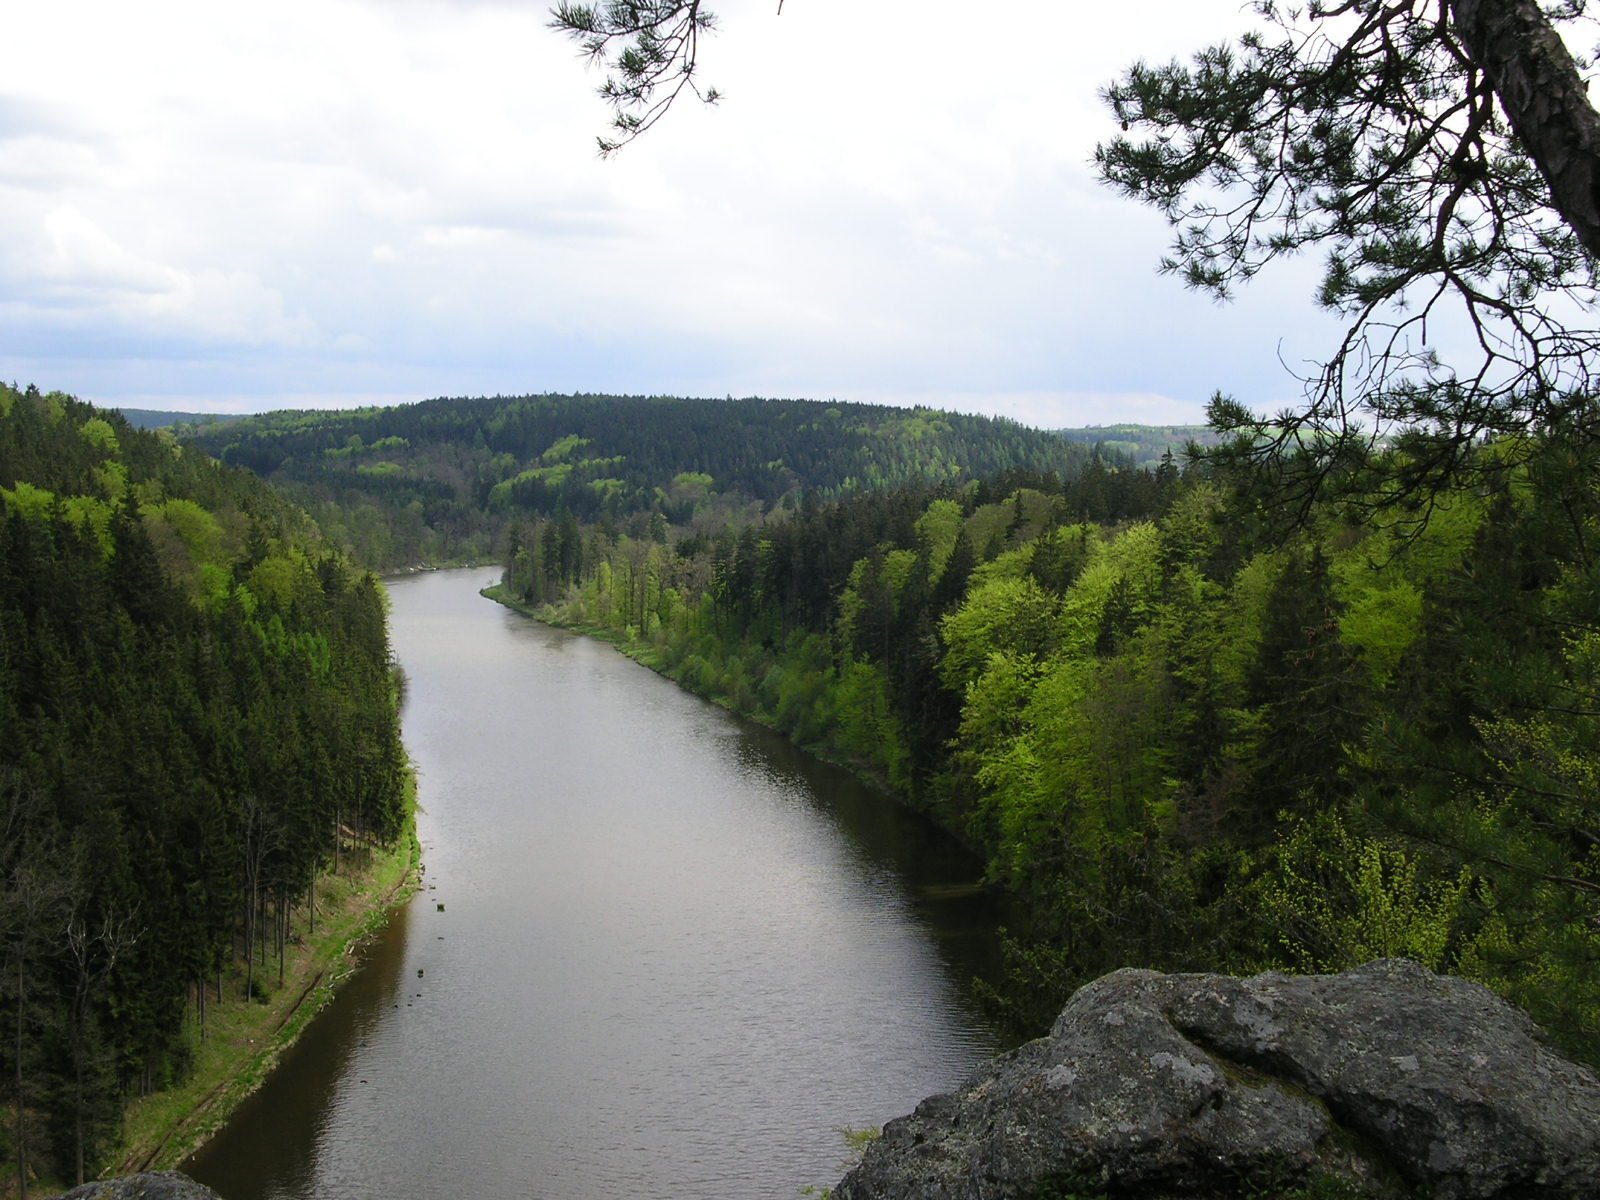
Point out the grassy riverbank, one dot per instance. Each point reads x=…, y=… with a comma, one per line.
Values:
x=244, y=1039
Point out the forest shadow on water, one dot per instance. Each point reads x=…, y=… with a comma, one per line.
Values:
x=274, y=1136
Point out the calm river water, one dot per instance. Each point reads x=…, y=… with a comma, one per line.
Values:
x=658, y=952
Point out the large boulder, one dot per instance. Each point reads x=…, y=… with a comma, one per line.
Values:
x=151, y=1185
x=1387, y=1077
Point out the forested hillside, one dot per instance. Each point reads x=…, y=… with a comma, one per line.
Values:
x=1192, y=734
x=438, y=481
x=198, y=717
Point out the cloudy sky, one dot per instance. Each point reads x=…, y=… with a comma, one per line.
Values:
x=223, y=207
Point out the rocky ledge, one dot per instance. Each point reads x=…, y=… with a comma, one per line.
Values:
x=152, y=1185
x=1387, y=1080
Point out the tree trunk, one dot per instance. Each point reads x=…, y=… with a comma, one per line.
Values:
x=249, y=941
x=77, y=1108
x=1537, y=82
x=22, y=1129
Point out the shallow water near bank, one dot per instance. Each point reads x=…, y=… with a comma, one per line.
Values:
x=657, y=950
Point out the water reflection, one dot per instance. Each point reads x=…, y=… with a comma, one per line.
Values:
x=675, y=955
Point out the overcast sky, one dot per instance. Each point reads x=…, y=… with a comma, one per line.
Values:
x=222, y=207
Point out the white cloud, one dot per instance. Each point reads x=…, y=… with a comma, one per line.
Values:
x=401, y=197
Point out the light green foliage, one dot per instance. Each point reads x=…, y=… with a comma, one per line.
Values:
x=996, y=701
x=939, y=526
x=98, y=433
x=563, y=448
x=1336, y=899
x=1452, y=525
x=112, y=476
x=28, y=500
x=1382, y=613
x=986, y=528
x=1379, y=580
x=275, y=579
x=868, y=727
x=1194, y=528
x=198, y=528
x=1130, y=559
x=1006, y=615
x=990, y=748
x=1244, y=616
x=189, y=542
x=1038, y=783
x=1033, y=513
x=93, y=514
x=1008, y=564
x=693, y=480
x=897, y=568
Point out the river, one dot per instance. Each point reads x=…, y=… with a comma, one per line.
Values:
x=657, y=950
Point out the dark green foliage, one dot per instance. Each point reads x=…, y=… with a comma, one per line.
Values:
x=197, y=708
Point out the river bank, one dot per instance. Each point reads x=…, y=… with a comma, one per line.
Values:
x=245, y=1039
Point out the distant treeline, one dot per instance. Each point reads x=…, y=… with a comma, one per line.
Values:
x=198, y=714
x=1192, y=735
x=439, y=481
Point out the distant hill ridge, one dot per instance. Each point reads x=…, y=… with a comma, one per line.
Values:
x=153, y=418
x=434, y=481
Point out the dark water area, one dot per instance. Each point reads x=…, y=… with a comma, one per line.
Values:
x=658, y=951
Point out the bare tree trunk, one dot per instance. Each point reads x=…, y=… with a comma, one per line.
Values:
x=249, y=941
x=77, y=1112
x=1537, y=82
x=22, y=1125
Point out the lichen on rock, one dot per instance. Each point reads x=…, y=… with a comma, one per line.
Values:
x=1387, y=1077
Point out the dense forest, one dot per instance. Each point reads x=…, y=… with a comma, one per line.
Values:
x=1191, y=732
x=438, y=481
x=199, y=716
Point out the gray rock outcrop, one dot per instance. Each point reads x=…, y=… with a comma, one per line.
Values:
x=151, y=1185
x=1388, y=1077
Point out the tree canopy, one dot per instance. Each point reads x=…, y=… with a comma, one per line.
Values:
x=1440, y=155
